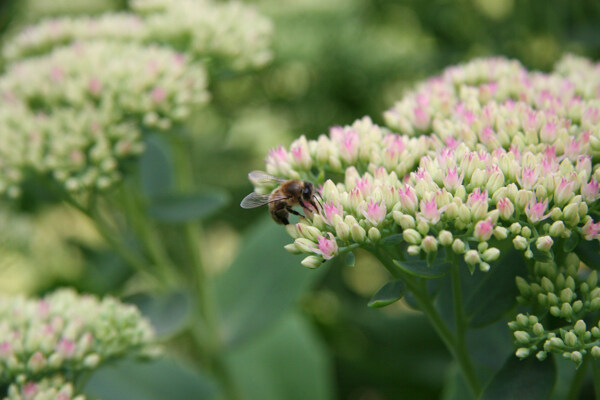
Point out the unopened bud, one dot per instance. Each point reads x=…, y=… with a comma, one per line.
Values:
x=570, y=339
x=490, y=254
x=342, y=230
x=523, y=286
x=312, y=262
x=538, y=329
x=445, y=238
x=412, y=236
x=472, y=257
x=429, y=244
x=596, y=352
x=576, y=357
x=458, y=246
x=374, y=234
x=522, y=352
x=522, y=336
x=571, y=214
x=413, y=250
x=520, y=242
x=557, y=228
x=358, y=233
x=500, y=232
x=304, y=245
x=292, y=248
x=580, y=328
x=544, y=243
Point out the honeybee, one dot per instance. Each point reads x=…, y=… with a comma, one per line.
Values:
x=289, y=193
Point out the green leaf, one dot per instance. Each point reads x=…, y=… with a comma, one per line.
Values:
x=421, y=268
x=350, y=259
x=496, y=293
x=167, y=312
x=287, y=362
x=157, y=380
x=156, y=168
x=392, y=239
x=263, y=283
x=178, y=208
x=589, y=252
x=529, y=379
x=542, y=256
x=389, y=293
x=570, y=243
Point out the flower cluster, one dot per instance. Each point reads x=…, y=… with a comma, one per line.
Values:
x=66, y=332
x=232, y=32
x=491, y=156
x=496, y=102
x=54, y=388
x=562, y=292
x=78, y=111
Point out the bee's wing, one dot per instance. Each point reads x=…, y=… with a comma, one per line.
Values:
x=254, y=200
x=260, y=178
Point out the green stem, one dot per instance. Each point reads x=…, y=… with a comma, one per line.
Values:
x=419, y=291
x=108, y=234
x=596, y=370
x=207, y=335
x=577, y=380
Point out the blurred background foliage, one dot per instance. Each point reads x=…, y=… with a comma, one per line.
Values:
x=334, y=61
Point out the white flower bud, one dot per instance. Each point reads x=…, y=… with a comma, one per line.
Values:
x=312, y=262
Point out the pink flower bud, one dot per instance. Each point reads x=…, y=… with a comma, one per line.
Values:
x=483, y=229
x=563, y=191
x=328, y=248
x=590, y=230
x=505, y=207
x=375, y=212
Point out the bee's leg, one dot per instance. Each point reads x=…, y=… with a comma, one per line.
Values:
x=291, y=210
x=281, y=216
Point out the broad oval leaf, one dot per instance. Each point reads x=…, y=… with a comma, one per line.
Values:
x=389, y=293
x=589, y=252
x=542, y=256
x=421, y=268
x=179, y=208
x=161, y=379
x=529, y=379
x=287, y=362
x=496, y=293
x=263, y=282
x=167, y=312
x=156, y=168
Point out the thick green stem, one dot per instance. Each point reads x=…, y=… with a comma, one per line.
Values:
x=207, y=334
x=577, y=380
x=596, y=370
x=453, y=344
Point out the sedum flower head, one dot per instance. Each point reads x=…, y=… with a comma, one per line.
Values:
x=67, y=332
x=78, y=111
x=488, y=156
x=55, y=388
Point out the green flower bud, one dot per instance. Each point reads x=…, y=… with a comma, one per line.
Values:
x=525, y=231
x=458, y=246
x=571, y=214
x=580, y=328
x=429, y=244
x=445, y=238
x=412, y=236
x=312, y=262
x=291, y=248
x=522, y=352
x=557, y=228
x=522, y=319
x=472, y=257
x=522, y=337
x=541, y=355
x=547, y=284
x=342, y=230
x=500, y=232
x=595, y=332
x=374, y=234
x=570, y=339
x=413, y=250
x=484, y=267
x=566, y=311
x=305, y=245
x=592, y=279
x=515, y=228
x=308, y=231
x=544, y=243
x=577, y=306
x=523, y=286
x=358, y=233
x=423, y=227
x=91, y=361
x=520, y=243
x=292, y=230
x=555, y=311
x=405, y=221
x=576, y=357
x=570, y=282
x=556, y=343
x=595, y=352
x=566, y=295
x=491, y=254
x=556, y=214
x=538, y=329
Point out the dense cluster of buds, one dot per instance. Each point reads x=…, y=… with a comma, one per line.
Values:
x=55, y=388
x=562, y=292
x=488, y=155
x=66, y=333
x=78, y=111
x=232, y=32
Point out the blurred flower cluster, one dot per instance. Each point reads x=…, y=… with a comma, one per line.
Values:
x=46, y=389
x=64, y=334
x=80, y=92
x=232, y=32
x=490, y=156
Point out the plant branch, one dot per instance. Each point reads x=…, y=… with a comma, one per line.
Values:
x=425, y=303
